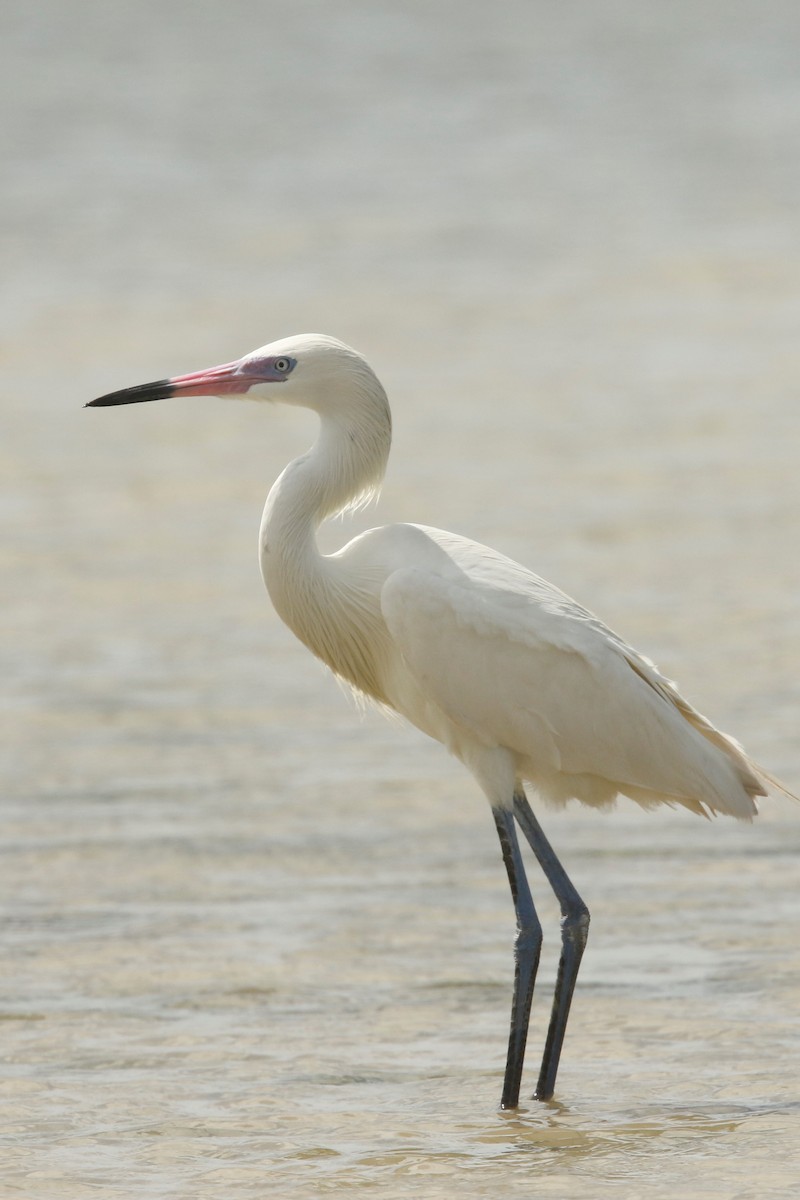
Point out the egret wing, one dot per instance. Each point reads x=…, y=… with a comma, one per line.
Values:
x=518, y=664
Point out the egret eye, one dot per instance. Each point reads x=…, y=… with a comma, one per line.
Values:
x=284, y=365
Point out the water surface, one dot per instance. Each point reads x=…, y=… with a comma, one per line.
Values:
x=255, y=943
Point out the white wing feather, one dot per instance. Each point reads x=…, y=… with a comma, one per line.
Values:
x=518, y=664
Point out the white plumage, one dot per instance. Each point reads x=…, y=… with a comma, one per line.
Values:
x=519, y=681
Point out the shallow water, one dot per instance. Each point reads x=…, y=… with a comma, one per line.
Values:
x=254, y=942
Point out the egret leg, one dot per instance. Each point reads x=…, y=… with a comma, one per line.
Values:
x=574, y=932
x=527, y=947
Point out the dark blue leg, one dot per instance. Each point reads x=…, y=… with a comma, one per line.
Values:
x=527, y=946
x=574, y=931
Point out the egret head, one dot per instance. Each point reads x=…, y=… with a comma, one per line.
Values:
x=309, y=369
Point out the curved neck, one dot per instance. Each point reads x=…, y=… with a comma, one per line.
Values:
x=324, y=602
x=343, y=468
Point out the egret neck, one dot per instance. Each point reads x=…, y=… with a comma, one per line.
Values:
x=324, y=606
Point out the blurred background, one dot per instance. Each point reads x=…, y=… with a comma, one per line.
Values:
x=238, y=915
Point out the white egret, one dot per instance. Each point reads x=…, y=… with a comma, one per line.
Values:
x=517, y=680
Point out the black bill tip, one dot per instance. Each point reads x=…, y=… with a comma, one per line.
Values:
x=159, y=390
